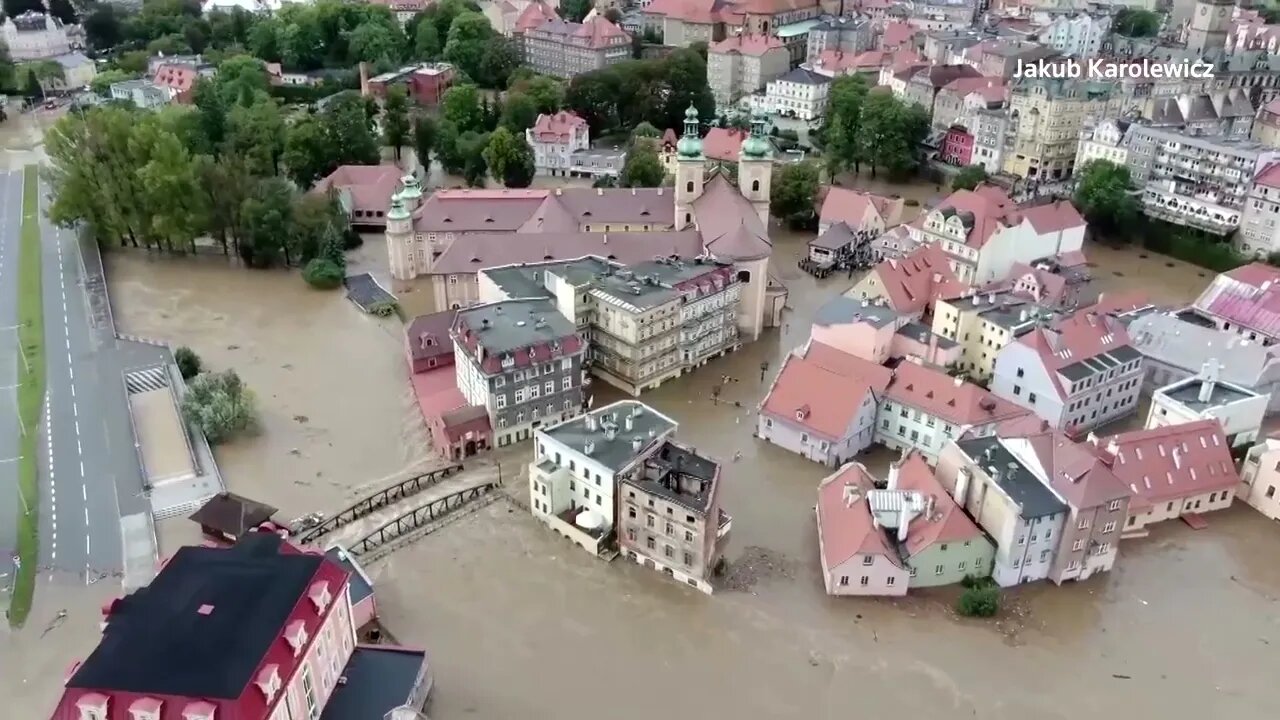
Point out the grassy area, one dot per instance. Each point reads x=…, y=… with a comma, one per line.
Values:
x=30, y=396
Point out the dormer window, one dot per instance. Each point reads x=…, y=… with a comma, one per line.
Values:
x=320, y=595
x=146, y=708
x=199, y=710
x=92, y=706
x=508, y=360
x=268, y=681
x=296, y=635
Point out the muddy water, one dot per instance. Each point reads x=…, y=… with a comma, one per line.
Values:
x=521, y=625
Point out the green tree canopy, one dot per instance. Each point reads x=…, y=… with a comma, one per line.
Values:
x=844, y=123
x=519, y=113
x=969, y=177
x=1105, y=196
x=470, y=38
x=642, y=168
x=793, y=193
x=461, y=106
x=395, y=119
x=424, y=140
x=509, y=158
x=1133, y=22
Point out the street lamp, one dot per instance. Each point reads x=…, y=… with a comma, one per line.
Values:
x=764, y=368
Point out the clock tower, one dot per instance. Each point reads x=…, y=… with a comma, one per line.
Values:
x=1209, y=26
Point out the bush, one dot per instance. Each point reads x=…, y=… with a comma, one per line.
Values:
x=188, y=361
x=323, y=274
x=219, y=405
x=979, y=601
x=1192, y=246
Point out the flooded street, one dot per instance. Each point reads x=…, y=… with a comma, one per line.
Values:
x=520, y=624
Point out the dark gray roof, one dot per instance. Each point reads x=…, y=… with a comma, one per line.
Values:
x=606, y=428
x=840, y=309
x=360, y=587
x=377, y=680
x=679, y=474
x=805, y=77
x=1125, y=353
x=528, y=280
x=651, y=283
x=1076, y=371
x=515, y=324
x=919, y=332
x=1018, y=482
x=837, y=236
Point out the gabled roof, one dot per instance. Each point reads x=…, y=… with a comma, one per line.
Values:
x=953, y=400
x=983, y=211
x=801, y=396
x=845, y=521
x=731, y=229
x=850, y=206
x=370, y=186
x=897, y=34
x=911, y=283
x=557, y=127
x=1171, y=340
x=1075, y=473
x=1073, y=339
x=433, y=327
x=724, y=144
x=1248, y=296
x=534, y=14
x=747, y=44
x=1053, y=217
x=947, y=524
x=1174, y=461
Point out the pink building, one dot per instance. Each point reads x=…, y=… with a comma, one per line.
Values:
x=1245, y=301
x=1173, y=471
x=910, y=284
x=857, y=557
x=258, y=631
x=427, y=342
x=364, y=191
x=875, y=332
x=859, y=210
x=957, y=146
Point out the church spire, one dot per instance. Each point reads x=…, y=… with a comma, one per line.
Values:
x=690, y=145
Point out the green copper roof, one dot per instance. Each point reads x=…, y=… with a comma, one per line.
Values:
x=411, y=189
x=690, y=145
x=756, y=146
x=397, y=211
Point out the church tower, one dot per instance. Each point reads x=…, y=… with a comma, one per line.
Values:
x=689, y=169
x=755, y=169
x=1210, y=24
x=400, y=249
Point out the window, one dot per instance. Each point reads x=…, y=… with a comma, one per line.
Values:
x=844, y=580
x=649, y=543
x=309, y=691
x=501, y=402
x=937, y=570
x=688, y=559
x=550, y=387
x=890, y=581
x=1017, y=389
x=864, y=580
x=961, y=567
x=867, y=560
x=566, y=384
x=631, y=512
x=667, y=550
x=1109, y=527
x=1031, y=398
x=631, y=534
x=1083, y=524
x=1113, y=505
x=1022, y=539
x=649, y=520
x=1020, y=372
x=670, y=529
x=1077, y=546
x=1044, y=556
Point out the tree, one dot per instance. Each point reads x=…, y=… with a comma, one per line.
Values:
x=461, y=106
x=892, y=131
x=174, y=44
x=501, y=59
x=546, y=93
x=103, y=81
x=510, y=158
x=613, y=15
x=241, y=80
x=266, y=40
x=448, y=149
x=426, y=42
x=374, y=42
x=323, y=274
x=471, y=147
x=226, y=183
x=793, y=193
x=307, y=151
x=395, y=120
x=844, y=123
x=13, y=8
x=646, y=130
x=1105, y=196
x=102, y=27
x=969, y=177
x=470, y=37
x=642, y=167
x=266, y=219
x=220, y=405
x=519, y=113
x=981, y=600
x=685, y=72
x=133, y=61
x=424, y=140
x=257, y=132
x=1132, y=22
x=574, y=10
x=350, y=130
x=188, y=362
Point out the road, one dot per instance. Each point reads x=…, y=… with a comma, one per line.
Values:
x=10, y=361
x=90, y=472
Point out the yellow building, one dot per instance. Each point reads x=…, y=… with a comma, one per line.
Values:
x=1045, y=117
x=982, y=324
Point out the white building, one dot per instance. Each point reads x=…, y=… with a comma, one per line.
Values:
x=34, y=36
x=253, y=6
x=801, y=93
x=1259, y=233
x=1239, y=409
x=989, y=128
x=1104, y=141
x=554, y=139
x=1260, y=478
x=576, y=465
x=142, y=93
x=1079, y=35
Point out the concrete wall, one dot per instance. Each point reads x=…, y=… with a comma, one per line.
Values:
x=956, y=560
x=882, y=576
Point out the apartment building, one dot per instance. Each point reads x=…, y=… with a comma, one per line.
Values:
x=1200, y=182
x=802, y=415
x=958, y=99
x=1244, y=301
x=1079, y=35
x=983, y=324
x=523, y=362
x=1173, y=471
x=565, y=49
x=165, y=649
x=743, y=64
x=1062, y=283
x=983, y=234
x=923, y=408
x=1260, y=476
x=1078, y=372
x=989, y=128
x=577, y=465
x=921, y=85
x=1045, y=117
x=684, y=22
x=1176, y=348
x=934, y=15
x=1022, y=515
x=868, y=536
x=845, y=35
x=669, y=514
x=32, y=35
x=554, y=139
x=1104, y=140
x=1238, y=409
x=1266, y=127
x=1001, y=57
x=1221, y=113
x=800, y=94
x=1259, y=234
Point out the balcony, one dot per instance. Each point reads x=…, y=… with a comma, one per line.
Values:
x=725, y=525
x=584, y=527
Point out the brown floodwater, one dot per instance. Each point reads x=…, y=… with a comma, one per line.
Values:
x=519, y=624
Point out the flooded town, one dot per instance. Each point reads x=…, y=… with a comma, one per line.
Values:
x=702, y=419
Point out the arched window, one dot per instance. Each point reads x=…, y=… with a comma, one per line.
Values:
x=755, y=186
x=688, y=187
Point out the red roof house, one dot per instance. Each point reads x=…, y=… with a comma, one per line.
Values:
x=179, y=79
x=910, y=284
x=364, y=190
x=1246, y=300
x=857, y=557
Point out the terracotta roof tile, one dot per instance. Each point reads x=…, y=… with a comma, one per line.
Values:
x=912, y=282
x=947, y=524
x=845, y=520
x=951, y=399
x=850, y=207
x=1248, y=296
x=1174, y=461
x=724, y=144
x=1076, y=337
x=748, y=44
x=370, y=186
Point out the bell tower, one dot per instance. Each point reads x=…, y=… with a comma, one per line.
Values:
x=755, y=169
x=1209, y=26
x=400, y=249
x=689, y=169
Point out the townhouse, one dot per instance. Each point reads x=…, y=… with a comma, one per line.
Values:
x=923, y=408
x=983, y=324
x=1266, y=127
x=1259, y=234
x=1245, y=301
x=1103, y=140
x=1062, y=283
x=859, y=210
x=577, y=464
x=554, y=139
x=801, y=94
x=875, y=332
x=1079, y=34
x=908, y=285
x=740, y=65
x=1045, y=118
x=1173, y=471
x=1260, y=476
x=1078, y=372
x=1238, y=409
x=983, y=233
x=909, y=534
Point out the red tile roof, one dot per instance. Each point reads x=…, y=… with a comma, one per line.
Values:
x=845, y=521
x=748, y=44
x=1175, y=461
x=897, y=34
x=180, y=78
x=724, y=144
x=1079, y=336
x=731, y=229
x=370, y=186
x=954, y=401
x=600, y=32
x=1270, y=175
x=703, y=12
x=1053, y=217
x=1248, y=296
x=850, y=207
x=798, y=393
x=1074, y=472
x=1120, y=302
x=533, y=15
x=947, y=524
x=558, y=127
x=433, y=327
x=912, y=282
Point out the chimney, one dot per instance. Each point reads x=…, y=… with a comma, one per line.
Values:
x=1093, y=439
x=958, y=381
x=851, y=494
x=904, y=519
x=558, y=192
x=628, y=423
x=892, y=483
x=1208, y=379
x=589, y=422
x=599, y=192
x=991, y=298
x=1177, y=458
x=1022, y=315
x=636, y=443
x=1112, y=448
x=589, y=447
x=994, y=472
x=928, y=507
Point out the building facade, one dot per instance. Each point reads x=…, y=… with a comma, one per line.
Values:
x=565, y=49
x=1080, y=35
x=554, y=139
x=1045, y=117
x=34, y=36
x=743, y=64
x=1244, y=301
x=1260, y=478
x=1105, y=140
x=983, y=324
x=1259, y=234
x=800, y=94
x=1238, y=409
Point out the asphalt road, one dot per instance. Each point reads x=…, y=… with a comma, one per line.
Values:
x=10, y=361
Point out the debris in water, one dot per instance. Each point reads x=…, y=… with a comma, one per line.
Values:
x=1120, y=677
x=301, y=419
x=755, y=564
x=295, y=452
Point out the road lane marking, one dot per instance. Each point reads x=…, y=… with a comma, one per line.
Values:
x=84, y=493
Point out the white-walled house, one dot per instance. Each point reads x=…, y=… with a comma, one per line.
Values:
x=1239, y=409
x=554, y=139
x=1260, y=478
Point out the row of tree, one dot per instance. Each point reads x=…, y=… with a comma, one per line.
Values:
x=872, y=127
x=620, y=97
